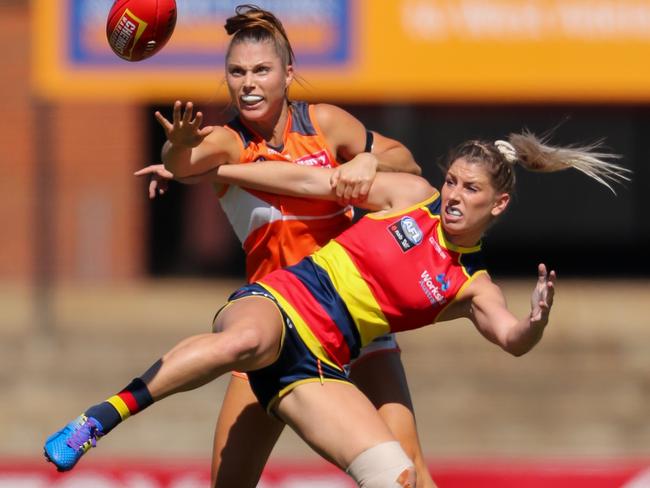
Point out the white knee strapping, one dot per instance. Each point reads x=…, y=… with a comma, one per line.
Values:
x=385, y=465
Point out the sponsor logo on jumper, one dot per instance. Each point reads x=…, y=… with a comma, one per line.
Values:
x=444, y=281
x=315, y=159
x=127, y=32
x=406, y=232
x=441, y=252
x=430, y=289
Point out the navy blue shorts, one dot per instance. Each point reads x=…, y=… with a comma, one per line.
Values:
x=295, y=364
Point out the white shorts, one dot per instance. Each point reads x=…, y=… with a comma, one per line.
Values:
x=380, y=345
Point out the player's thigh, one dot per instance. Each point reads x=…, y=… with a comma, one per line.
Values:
x=335, y=419
x=381, y=377
x=244, y=437
x=253, y=322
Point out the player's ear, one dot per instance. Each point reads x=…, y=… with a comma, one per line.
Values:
x=288, y=75
x=500, y=204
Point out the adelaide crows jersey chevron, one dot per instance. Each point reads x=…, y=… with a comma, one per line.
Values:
x=385, y=274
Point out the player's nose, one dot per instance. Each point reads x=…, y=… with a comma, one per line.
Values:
x=248, y=80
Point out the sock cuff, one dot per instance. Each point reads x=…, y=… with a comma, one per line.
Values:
x=136, y=394
x=121, y=406
x=132, y=399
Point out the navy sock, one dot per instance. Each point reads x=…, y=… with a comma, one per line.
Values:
x=131, y=400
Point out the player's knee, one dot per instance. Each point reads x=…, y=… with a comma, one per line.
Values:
x=242, y=344
x=411, y=450
x=382, y=466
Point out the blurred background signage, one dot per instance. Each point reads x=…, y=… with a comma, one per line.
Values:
x=401, y=50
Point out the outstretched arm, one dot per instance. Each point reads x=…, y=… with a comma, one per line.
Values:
x=390, y=191
x=190, y=149
x=493, y=319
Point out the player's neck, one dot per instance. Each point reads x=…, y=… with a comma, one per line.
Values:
x=273, y=128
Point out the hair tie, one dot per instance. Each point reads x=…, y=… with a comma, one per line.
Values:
x=507, y=150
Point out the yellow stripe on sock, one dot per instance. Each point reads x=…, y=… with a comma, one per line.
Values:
x=120, y=406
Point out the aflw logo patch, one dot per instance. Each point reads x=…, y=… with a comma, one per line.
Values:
x=406, y=232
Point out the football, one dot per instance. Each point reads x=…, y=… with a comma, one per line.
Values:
x=138, y=29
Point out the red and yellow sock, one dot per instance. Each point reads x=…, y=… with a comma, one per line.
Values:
x=131, y=400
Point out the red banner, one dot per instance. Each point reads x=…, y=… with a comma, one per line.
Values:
x=451, y=474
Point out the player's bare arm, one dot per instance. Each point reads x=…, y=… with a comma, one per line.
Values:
x=493, y=319
x=348, y=139
x=389, y=192
x=192, y=150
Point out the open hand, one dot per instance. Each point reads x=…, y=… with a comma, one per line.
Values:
x=159, y=179
x=541, y=300
x=184, y=130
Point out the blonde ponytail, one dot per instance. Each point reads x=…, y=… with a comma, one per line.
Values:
x=535, y=154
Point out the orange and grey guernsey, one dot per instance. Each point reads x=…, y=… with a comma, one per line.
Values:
x=385, y=274
x=277, y=230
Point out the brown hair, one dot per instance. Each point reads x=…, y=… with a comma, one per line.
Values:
x=251, y=23
x=535, y=154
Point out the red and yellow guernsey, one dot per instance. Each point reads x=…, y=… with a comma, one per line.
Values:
x=277, y=230
x=385, y=274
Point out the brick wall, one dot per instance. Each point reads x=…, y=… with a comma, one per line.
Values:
x=67, y=197
x=16, y=202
